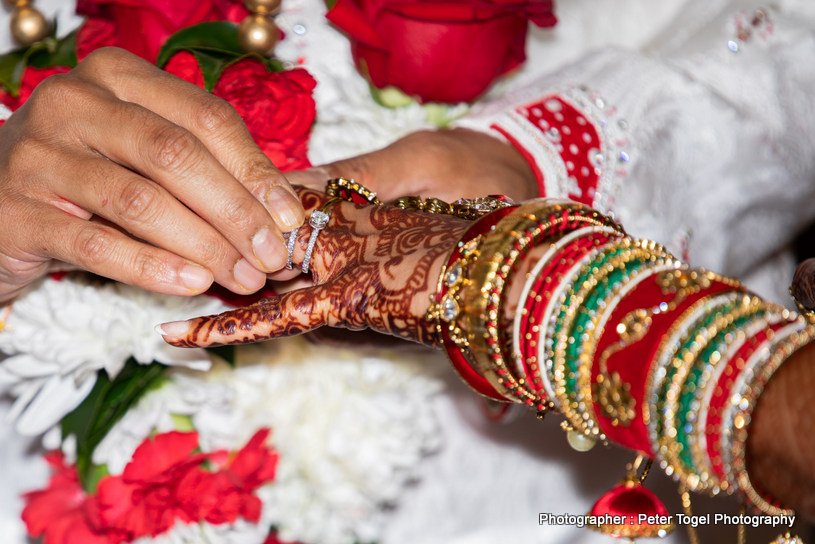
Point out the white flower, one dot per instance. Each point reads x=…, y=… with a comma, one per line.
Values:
x=59, y=334
x=350, y=429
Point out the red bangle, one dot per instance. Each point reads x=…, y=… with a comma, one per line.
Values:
x=646, y=294
x=460, y=362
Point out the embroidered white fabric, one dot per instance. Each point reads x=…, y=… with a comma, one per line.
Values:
x=720, y=161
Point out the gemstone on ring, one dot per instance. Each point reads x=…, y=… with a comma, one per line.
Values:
x=318, y=219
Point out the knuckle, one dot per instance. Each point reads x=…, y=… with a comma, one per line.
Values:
x=107, y=59
x=170, y=147
x=238, y=214
x=214, y=254
x=93, y=246
x=139, y=201
x=215, y=116
x=149, y=267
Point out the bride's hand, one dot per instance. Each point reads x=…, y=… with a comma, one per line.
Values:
x=124, y=170
x=373, y=267
x=446, y=164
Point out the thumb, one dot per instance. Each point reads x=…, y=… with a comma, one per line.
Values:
x=290, y=314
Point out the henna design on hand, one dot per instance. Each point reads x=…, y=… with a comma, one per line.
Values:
x=373, y=267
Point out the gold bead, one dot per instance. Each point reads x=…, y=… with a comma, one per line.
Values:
x=264, y=7
x=28, y=25
x=258, y=34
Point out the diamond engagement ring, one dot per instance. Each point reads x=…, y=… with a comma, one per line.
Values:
x=291, y=239
x=318, y=220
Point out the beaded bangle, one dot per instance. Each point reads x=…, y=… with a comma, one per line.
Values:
x=747, y=389
x=683, y=360
x=546, y=348
x=611, y=393
x=525, y=227
x=670, y=344
x=613, y=262
x=719, y=396
x=536, y=293
x=705, y=388
x=685, y=385
x=607, y=386
x=649, y=311
x=444, y=308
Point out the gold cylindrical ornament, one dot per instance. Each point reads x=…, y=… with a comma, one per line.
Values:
x=28, y=25
x=258, y=34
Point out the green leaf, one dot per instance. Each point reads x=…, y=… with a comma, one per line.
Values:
x=212, y=63
x=46, y=53
x=57, y=53
x=215, y=47
x=227, y=353
x=213, y=37
x=107, y=402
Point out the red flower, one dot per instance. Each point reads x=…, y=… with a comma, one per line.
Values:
x=58, y=513
x=141, y=502
x=277, y=107
x=142, y=26
x=255, y=464
x=444, y=51
x=31, y=78
x=184, y=65
x=165, y=482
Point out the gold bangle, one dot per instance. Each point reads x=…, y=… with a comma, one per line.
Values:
x=482, y=319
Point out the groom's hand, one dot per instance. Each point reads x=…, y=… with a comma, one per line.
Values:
x=131, y=173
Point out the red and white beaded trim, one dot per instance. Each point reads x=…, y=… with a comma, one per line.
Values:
x=574, y=142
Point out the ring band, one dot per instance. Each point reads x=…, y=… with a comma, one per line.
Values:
x=291, y=239
x=318, y=221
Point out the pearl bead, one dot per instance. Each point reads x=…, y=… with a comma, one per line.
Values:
x=28, y=25
x=258, y=34
x=579, y=441
x=262, y=6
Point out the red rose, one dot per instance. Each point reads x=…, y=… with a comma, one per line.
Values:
x=142, y=26
x=277, y=107
x=443, y=51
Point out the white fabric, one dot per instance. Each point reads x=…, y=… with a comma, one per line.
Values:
x=715, y=156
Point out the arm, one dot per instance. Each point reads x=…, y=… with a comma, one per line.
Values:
x=375, y=267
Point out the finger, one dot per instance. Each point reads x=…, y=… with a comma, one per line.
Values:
x=290, y=314
x=107, y=252
x=176, y=160
x=150, y=213
x=211, y=120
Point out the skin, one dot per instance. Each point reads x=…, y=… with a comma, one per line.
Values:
x=126, y=171
x=375, y=267
x=457, y=163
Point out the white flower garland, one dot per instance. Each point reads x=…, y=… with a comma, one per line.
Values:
x=59, y=334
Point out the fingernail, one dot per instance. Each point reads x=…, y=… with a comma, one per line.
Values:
x=174, y=329
x=286, y=208
x=269, y=249
x=249, y=277
x=195, y=277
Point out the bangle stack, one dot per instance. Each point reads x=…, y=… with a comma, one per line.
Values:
x=627, y=342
